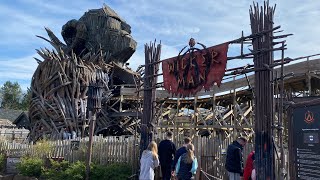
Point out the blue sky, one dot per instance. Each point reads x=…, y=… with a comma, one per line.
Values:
x=173, y=22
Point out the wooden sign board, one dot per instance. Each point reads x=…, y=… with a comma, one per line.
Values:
x=11, y=165
x=305, y=141
x=75, y=145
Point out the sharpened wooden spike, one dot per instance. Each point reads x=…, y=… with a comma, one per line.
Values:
x=38, y=60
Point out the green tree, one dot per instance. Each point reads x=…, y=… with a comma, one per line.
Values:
x=11, y=94
x=26, y=99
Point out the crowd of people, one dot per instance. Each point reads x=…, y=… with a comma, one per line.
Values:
x=176, y=164
x=182, y=164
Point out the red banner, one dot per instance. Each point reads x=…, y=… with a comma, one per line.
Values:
x=187, y=73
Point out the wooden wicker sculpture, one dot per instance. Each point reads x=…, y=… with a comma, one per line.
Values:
x=59, y=85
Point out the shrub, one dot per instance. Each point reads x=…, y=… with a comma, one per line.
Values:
x=118, y=171
x=42, y=148
x=97, y=172
x=76, y=171
x=31, y=167
x=56, y=171
x=34, y=167
x=2, y=162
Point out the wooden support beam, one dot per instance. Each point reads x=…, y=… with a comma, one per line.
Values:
x=125, y=114
x=222, y=127
x=261, y=19
x=298, y=68
x=114, y=103
x=243, y=114
x=152, y=57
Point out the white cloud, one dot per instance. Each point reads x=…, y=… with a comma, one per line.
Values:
x=55, y=7
x=20, y=28
x=20, y=69
x=138, y=57
x=172, y=22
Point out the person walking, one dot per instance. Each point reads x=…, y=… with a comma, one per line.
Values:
x=181, y=150
x=148, y=162
x=234, y=159
x=167, y=151
x=187, y=164
x=249, y=166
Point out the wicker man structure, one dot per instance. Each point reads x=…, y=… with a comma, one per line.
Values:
x=94, y=44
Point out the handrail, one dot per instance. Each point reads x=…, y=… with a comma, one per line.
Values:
x=209, y=175
x=132, y=176
x=205, y=175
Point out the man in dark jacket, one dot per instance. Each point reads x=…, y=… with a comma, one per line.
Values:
x=166, y=152
x=234, y=160
x=181, y=150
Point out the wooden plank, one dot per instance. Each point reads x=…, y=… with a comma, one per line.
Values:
x=183, y=119
x=210, y=127
x=123, y=114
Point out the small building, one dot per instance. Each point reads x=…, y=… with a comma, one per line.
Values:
x=6, y=123
x=17, y=117
x=22, y=121
x=9, y=114
x=14, y=125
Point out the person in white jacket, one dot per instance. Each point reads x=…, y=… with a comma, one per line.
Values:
x=149, y=160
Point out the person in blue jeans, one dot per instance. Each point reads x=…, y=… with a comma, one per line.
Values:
x=187, y=164
x=166, y=151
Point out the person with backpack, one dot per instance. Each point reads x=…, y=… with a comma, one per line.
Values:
x=187, y=164
x=182, y=150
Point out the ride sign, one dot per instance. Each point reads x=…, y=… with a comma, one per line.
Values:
x=194, y=69
x=306, y=131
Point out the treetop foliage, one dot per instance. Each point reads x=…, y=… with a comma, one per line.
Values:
x=12, y=97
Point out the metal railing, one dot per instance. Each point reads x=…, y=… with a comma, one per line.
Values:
x=209, y=176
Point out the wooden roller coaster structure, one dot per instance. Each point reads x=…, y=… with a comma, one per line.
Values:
x=134, y=102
